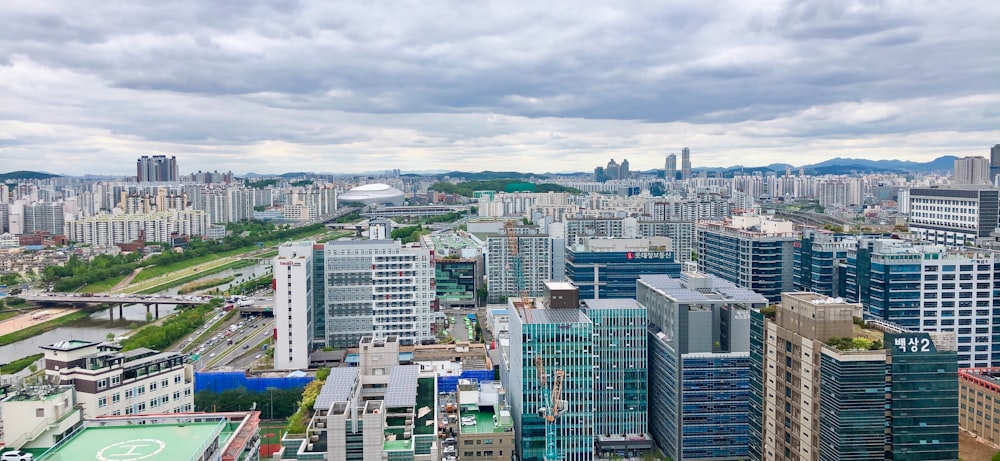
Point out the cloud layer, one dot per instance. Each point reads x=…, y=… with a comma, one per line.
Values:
x=274, y=86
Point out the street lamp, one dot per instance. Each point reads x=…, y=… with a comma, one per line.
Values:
x=270, y=393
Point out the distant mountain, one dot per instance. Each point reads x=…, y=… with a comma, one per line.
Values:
x=26, y=175
x=943, y=163
x=490, y=175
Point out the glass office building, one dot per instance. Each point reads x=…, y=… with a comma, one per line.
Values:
x=608, y=268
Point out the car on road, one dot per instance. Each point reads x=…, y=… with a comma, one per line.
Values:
x=246, y=346
x=211, y=355
x=17, y=455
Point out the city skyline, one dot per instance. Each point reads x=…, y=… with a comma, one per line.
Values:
x=304, y=86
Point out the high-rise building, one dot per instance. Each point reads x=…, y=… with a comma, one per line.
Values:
x=532, y=263
x=994, y=163
x=685, y=163
x=380, y=288
x=972, y=170
x=670, y=168
x=158, y=168
x=755, y=252
x=699, y=364
x=824, y=389
x=345, y=290
x=556, y=338
x=608, y=268
x=599, y=353
x=113, y=382
x=819, y=261
x=620, y=376
x=955, y=215
x=926, y=287
x=44, y=217
x=293, y=305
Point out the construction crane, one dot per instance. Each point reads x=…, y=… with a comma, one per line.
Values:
x=518, y=262
x=553, y=406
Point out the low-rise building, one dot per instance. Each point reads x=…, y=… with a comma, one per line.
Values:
x=113, y=382
x=979, y=403
x=377, y=410
x=486, y=427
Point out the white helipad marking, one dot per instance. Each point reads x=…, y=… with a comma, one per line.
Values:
x=131, y=450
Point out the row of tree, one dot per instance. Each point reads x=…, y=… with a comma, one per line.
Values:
x=284, y=402
x=172, y=329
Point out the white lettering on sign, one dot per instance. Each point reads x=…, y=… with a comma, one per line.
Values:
x=912, y=344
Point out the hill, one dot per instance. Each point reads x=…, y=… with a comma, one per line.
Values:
x=21, y=174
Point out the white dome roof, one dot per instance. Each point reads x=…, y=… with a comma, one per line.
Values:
x=372, y=194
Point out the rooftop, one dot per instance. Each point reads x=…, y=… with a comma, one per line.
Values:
x=485, y=422
x=148, y=442
x=402, y=390
x=69, y=345
x=337, y=388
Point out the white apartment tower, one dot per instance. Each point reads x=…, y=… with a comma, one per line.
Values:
x=293, y=305
x=972, y=170
x=380, y=288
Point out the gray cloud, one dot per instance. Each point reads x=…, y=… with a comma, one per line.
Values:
x=559, y=86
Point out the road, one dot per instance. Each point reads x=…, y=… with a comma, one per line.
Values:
x=246, y=335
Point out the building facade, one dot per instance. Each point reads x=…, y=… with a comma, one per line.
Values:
x=755, y=252
x=819, y=257
x=525, y=265
x=112, y=382
x=294, y=284
x=559, y=339
x=979, y=403
x=699, y=364
x=828, y=390
x=934, y=288
x=621, y=376
x=377, y=287
x=953, y=215
x=156, y=168
x=608, y=268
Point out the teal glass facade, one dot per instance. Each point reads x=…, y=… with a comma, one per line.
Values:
x=923, y=402
x=620, y=375
x=852, y=406
x=563, y=339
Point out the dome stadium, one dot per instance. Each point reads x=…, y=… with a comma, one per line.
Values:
x=372, y=194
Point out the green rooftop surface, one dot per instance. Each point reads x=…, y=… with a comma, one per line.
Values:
x=146, y=442
x=484, y=422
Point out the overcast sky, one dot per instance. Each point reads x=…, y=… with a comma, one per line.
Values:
x=354, y=86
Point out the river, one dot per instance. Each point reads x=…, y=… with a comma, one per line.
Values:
x=98, y=325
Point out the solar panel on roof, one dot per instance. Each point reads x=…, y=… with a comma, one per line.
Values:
x=338, y=387
x=402, y=390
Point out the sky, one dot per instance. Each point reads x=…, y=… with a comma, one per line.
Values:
x=556, y=86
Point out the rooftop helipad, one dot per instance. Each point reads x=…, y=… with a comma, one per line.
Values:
x=140, y=442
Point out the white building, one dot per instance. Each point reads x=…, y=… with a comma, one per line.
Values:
x=380, y=288
x=293, y=305
x=39, y=416
x=112, y=382
x=107, y=230
x=533, y=263
x=953, y=215
x=972, y=170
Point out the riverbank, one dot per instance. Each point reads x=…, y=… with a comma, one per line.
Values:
x=43, y=326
